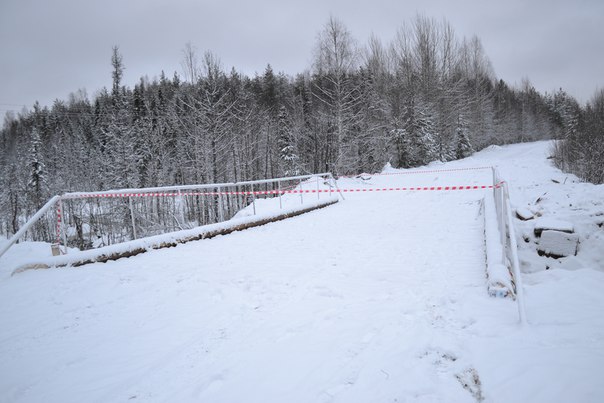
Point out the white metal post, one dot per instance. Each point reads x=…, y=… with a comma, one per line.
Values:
x=253, y=199
x=132, y=218
x=301, y=195
x=181, y=210
x=318, y=192
x=28, y=224
x=279, y=190
x=515, y=260
x=220, y=212
x=63, y=232
x=335, y=182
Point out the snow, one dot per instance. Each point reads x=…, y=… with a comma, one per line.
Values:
x=266, y=209
x=547, y=223
x=524, y=213
x=558, y=243
x=381, y=297
x=498, y=275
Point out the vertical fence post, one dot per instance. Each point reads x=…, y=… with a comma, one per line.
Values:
x=503, y=222
x=253, y=199
x=279, y=190
x=220, y=203
x=514, y=257
x=301, y=193
x=134, y=236
x=56, y=246
x=181, y=210
x=63, y=232
x=318, y=191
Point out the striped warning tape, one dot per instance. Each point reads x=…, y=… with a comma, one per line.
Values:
x=294, y=191
x=430, y=171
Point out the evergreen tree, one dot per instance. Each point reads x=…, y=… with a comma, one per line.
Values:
x=463, y=147
x=419, y=130
x=401, y=143
x=37, y=185
x=287, y=150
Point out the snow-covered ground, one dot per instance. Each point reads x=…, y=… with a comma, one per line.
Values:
x=379, y=298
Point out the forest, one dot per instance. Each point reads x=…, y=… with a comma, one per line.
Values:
x=426, y=95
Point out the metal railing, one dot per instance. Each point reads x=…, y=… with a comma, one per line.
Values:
x=87, y=220
x=508, y=239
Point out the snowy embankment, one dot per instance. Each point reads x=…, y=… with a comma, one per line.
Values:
x=379, y=298
x=268, y=211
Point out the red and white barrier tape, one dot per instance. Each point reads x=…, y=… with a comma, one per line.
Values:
x=298, y=191
x=418, y=172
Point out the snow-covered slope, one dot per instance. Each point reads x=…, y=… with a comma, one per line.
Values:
x=379, y=298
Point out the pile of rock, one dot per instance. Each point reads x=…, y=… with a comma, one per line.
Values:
x=554, y=238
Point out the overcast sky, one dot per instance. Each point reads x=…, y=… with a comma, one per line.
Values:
x=49, y=48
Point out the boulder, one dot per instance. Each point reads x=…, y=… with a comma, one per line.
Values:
x=543, y=224
x=524, y=214
x=557, y=244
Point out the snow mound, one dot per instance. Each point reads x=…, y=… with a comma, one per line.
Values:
x=548, y=223
x=388, y=168
x=524, y=213
x=558, y=244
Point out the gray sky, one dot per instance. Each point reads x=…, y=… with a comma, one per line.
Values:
x=49, y=48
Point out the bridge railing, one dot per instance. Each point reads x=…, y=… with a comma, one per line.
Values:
x=88, y=220
x=508, y=239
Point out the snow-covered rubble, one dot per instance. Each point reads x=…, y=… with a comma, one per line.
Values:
x=557, y=244
x=524, y=214
x=546, y=223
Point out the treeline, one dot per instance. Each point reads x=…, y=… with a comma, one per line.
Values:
x=580, y=149
x=425, y=96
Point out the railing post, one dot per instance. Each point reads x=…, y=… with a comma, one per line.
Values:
x=134, y=235
x=335, y=182
x=63, y=232
x=503, y=222
x=514, y=259
x=318, y=192
x=301, y=193
x=181, y=210
x=220, y=209
x=28, y=224
x=279, y=190
x=253, y=199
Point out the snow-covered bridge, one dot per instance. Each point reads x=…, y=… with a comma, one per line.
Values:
x=380, y=298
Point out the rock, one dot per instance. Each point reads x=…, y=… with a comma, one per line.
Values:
x=524, y=214
x=557, y=244
x=543, y=224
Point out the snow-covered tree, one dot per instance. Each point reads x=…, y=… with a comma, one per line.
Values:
x=287, y=149
x=336, y=60
x=463, y=147
x=401, y=144
x=37, y=184
x=419, y=130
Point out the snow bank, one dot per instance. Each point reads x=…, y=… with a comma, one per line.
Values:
x=558, y=244
x=548, y=223
x=524, y=213
x=134, y=247
x=499, y=279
